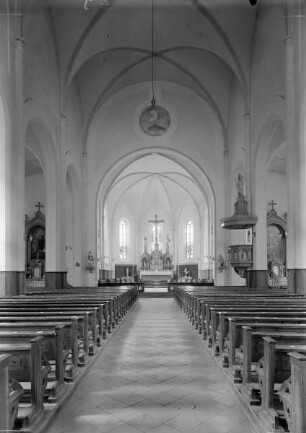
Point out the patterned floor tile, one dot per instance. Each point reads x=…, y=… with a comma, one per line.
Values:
x=153, y=376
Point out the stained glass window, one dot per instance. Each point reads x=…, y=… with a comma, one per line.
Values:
x=189, y=240
x=122, y=239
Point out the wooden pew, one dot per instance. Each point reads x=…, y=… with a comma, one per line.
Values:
x=120, y=299
x=85, y=348
x=235, y=333
x=70, y=337
x=10, y=393
x=284, y=319
x=26, y=366
x=108, y=309
x=274, y=369
x=292, y=394
x=52, y=350
x=197, y=303
x=252, y=349
x=194, y=304
x=189, y=300
x=89, y=315
x=211, y=307
x=96, y=312
x=212, y=320
x=34, y=316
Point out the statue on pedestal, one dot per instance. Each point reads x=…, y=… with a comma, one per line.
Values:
x=241, y=203
x=240, y=186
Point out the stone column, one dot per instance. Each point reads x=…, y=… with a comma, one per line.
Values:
x=12, y=278
x=296, y=165
x=258, y=277
x=89, y=231
x=56, y=268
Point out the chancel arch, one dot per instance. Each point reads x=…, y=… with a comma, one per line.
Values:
x=277, y=211
x=156, y=195
x=40, y=143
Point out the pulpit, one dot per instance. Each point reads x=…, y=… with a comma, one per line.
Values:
x=240, y=257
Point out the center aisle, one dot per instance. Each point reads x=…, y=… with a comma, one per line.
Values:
x=156, y=376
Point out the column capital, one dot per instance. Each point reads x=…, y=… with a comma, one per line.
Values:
x=62, y=118
x=20, y=42
x=288, y=39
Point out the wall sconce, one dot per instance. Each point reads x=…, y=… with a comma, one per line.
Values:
x=221, y=263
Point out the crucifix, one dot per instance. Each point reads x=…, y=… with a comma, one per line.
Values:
x=272, y=204
x=155, y=222
x=39, y=205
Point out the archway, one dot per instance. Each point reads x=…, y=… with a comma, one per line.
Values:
x=277, y=208
x=142, y=185
x=43, y=180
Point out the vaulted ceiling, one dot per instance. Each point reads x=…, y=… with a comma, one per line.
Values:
x=204, y=45
x=155, y=183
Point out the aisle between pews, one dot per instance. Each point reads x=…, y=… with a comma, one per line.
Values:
x=154, y=376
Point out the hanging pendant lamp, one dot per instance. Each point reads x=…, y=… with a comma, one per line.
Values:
x=154, y=120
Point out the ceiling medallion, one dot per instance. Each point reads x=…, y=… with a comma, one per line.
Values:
x=154, y=120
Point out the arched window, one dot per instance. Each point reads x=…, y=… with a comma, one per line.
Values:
x=189, y=240
x=122, y=239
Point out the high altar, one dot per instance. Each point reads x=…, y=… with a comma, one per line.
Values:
x=156, y=265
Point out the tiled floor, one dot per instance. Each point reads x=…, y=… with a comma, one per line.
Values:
x=153, y=376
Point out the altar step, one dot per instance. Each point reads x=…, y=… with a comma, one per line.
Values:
x=156, y=290
x=155, y=294
x=155, y=283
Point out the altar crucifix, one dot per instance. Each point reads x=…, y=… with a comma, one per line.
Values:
x=39, y=205
x=272, y=204
x=156, y=231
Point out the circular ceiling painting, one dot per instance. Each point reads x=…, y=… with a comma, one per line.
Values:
x=154, y=120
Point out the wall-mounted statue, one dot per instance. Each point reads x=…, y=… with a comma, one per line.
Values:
x=240, y=185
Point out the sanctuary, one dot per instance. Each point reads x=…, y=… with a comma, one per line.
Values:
x=156, y=265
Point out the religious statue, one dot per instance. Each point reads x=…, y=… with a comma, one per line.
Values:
x=145, y=244
x=240, y=186
x=90, y=261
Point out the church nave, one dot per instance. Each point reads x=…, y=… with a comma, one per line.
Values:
x=154, y=375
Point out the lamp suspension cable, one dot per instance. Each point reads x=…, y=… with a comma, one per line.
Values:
x=152, y=55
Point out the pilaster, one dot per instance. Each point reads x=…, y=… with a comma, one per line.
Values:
x=12, y=276
x=296, y=160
